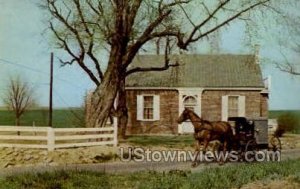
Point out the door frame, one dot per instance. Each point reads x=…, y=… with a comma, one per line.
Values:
x=185, y=92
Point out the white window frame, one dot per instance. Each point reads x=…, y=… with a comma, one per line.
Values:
x=241, y=106
x=140, y=108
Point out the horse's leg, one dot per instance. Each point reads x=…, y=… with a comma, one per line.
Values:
x=205, y=146
x=206, y=142
x=197, y=150
x=225, y=143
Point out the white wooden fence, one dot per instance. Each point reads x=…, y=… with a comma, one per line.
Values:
x=54, y=138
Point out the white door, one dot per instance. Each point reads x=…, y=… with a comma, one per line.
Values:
x=191, y=103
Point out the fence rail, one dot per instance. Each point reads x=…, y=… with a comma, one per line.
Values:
x=53, y=138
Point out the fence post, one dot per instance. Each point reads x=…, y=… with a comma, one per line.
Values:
x=50, y=139
x=115, y=125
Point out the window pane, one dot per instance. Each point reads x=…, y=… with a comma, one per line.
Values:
x=148, y=101
x=148, y=113
x=148, y=107
x=233, y=106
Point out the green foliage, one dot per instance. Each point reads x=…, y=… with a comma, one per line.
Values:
x=288, y=122
x=228, y=176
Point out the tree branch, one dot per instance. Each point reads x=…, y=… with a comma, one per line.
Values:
x=95, y=60
x=287, y=67
x=191, y=39
x=79, y=58
x=166, y=66
x=146, y=36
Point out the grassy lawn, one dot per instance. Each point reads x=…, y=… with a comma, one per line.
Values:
x=166, y=141
x=220, y=177
x=61, y=117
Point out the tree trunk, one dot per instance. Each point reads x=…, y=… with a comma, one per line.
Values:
x=122, y=109
x=104, y=96
x=18, y=123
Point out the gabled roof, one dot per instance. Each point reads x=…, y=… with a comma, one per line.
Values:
x=225, y=70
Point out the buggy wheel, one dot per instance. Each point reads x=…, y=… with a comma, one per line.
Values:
x=251, y=145
x=250, y=150
x=241, y=152
x=275, y=144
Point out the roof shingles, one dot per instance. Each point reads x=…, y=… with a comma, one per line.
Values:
x=198, y=71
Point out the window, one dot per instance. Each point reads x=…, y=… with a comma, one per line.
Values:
x=233, y=106
x=148, y=107
x=190, y=103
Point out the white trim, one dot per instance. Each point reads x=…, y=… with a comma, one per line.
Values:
x=191, y=91
x=242, y=106
x=156, y=107
x=194, y=92
x=197, y=88
x=224, y=108
x=140, y=107
x=265, y=91
x=180, y=110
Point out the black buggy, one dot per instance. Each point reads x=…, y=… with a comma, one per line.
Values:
x=252, y=134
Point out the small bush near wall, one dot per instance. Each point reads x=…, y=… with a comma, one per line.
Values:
x=288, y=122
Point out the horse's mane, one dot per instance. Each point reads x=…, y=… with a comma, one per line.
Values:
x=191, y=111
x=202, y=120
x=206, y=121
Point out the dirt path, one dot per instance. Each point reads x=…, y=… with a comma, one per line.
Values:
x=286, y=183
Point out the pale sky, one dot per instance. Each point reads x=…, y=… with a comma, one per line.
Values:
x=25, y=51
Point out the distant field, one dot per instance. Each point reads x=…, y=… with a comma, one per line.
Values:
x=61, y=117
x=277, y=113
x=73, y=117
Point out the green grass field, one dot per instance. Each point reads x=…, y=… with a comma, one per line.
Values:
x=232, y=176
x=277, y=113
x=73, y=117
x=61, y=118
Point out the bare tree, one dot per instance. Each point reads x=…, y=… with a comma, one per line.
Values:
x=282, y=31
x=123, y=27
x=289, y=45
x=18, y=97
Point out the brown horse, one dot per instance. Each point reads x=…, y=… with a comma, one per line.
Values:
x=206, y=131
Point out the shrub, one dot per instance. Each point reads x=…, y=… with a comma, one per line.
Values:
x=287, y=122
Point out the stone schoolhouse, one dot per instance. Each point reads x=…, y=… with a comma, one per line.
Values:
x=214, y=86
